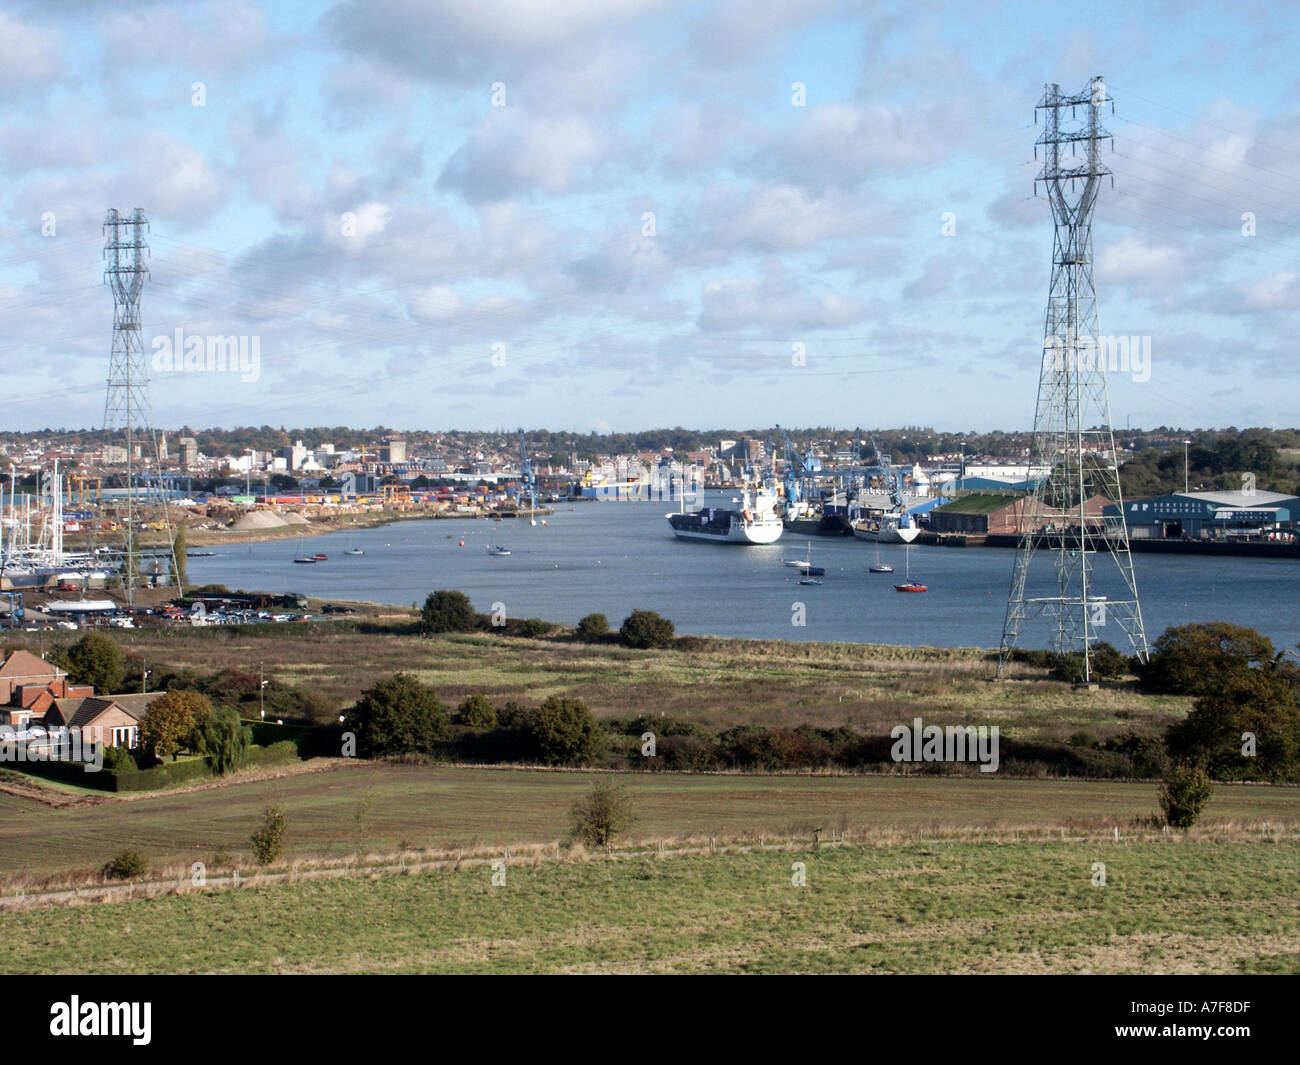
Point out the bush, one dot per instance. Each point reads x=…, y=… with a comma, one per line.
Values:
x=399, y=716
x=476, y=712
x=126, y=865
x=604, y=811
x=645, y=630
x=447, y=611
x=565, y=732
x=535, y=627
x=516, y=715
x=1257, y=701
x=1184, y=790
x=268, y=841
x=1195, y=659
x=593, y=628
x=118, y=760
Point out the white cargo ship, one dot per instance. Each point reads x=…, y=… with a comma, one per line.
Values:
x=756, y=522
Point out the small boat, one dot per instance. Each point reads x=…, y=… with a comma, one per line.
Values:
x=305, y=561
x=805, y=564
x=321, y=557
x=354, y=551
x=809, y=580
x=878, y=566
x=908, y=584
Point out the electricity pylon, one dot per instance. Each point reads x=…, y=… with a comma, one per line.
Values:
x=126, y=405
x=1076, y=510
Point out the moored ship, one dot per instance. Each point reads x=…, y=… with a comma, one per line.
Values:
x=756, y=522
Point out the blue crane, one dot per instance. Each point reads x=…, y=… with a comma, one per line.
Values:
x=798, y=469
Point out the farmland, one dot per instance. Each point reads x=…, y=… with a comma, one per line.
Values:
x=349, y=808
x=1193, y=906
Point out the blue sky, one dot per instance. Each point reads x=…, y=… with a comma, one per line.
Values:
x=520, y=229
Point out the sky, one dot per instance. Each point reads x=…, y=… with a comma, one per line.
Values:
x=596, y=215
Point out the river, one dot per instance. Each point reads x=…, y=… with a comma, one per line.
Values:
x=615, y=557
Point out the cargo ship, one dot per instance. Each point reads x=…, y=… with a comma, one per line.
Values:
x=756, y=522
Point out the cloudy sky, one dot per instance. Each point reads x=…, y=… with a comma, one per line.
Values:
x=595, y=214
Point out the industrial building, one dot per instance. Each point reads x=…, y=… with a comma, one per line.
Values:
x=1211, y=516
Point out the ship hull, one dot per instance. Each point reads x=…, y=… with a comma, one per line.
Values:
x=888, y=535
x=739, y=533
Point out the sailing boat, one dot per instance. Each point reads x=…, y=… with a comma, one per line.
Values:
x=878, y=566
x=805, y=564
x=305, y=559
x=910, y=585
x=495, y=548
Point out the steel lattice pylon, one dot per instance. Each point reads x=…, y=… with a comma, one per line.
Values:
x=1077, y=503
x=126, y=404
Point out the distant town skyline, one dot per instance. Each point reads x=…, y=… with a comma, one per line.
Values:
x=635, y=214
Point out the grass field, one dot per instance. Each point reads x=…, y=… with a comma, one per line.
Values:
x=715, y=683
x=369, y=807
x=1167, y=906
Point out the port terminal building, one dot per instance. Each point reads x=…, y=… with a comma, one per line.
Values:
x=1211, y=516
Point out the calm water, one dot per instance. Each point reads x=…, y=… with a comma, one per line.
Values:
x=616, y=557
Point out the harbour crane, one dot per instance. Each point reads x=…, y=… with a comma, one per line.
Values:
x=799, y=470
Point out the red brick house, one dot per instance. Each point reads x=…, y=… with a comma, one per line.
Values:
x=36, y=692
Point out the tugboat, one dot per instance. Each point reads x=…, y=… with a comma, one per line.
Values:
x=756, y=521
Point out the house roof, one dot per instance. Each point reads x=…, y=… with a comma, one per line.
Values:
x=137, y=705
x=81, y=711
x=26, y=664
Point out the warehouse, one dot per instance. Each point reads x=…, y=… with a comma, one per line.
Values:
x=1211, y=516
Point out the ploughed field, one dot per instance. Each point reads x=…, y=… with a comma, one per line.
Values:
x=1194, y=905
x=349, y=808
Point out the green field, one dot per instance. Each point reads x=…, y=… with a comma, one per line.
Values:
x=1167, y=906
x=365, y=807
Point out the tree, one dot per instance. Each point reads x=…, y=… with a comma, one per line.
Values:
x=1183, y=792
x=97, y=660
x=476, y=712
x=566, y=733
x=171, y=719
x=268, y=841
x=447, y=611
x=604, y=811
x=1246, y=728
x=399, y=716
x=1194, y=659
x=593, y=628
x=644, y=629
x=223, y=740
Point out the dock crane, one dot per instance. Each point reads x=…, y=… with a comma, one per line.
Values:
x=800, y=471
